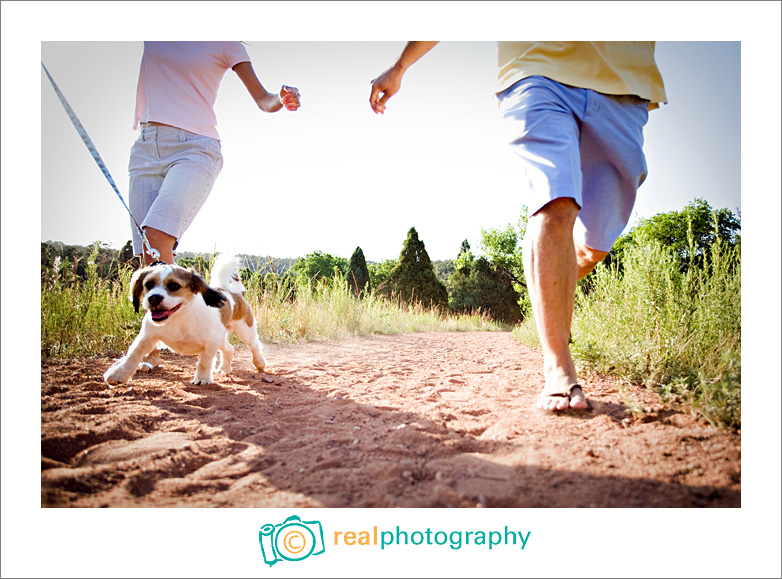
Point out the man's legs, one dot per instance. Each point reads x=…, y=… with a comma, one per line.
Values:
x=553, y=264
x=582, y=158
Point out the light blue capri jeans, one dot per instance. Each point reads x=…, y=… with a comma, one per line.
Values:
x=172, y=172
x=580, y=144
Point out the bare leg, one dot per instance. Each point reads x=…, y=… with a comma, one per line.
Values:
x=163, y=242
x=553, y=263
x=551, y=270
x=587, y=259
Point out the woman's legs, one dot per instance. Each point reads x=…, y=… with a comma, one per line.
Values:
x=160, y=241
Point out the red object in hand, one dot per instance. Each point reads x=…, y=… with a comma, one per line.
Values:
x=289, y=96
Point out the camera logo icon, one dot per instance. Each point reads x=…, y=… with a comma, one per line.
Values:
x=291, y=540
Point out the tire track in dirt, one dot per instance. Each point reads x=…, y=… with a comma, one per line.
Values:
x=413, y=420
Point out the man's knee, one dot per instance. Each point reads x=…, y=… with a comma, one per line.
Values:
x=560, y=208
x=557, y=213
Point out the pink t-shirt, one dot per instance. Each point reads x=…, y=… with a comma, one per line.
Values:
x=178, y=82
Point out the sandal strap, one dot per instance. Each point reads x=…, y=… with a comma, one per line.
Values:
x=565, y=394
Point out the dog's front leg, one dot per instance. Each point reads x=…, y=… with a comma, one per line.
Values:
x=124, y=368
x=205, y=366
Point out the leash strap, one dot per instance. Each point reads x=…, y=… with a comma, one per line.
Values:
x=95, y=155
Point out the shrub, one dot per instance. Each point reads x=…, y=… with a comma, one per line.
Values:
x=676, y=330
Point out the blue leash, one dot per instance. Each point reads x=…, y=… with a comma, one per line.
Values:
x=95, y=155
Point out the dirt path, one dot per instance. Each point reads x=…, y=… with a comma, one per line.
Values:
x=414, y=420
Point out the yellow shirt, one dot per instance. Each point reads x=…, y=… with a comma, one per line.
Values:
x=618, y=68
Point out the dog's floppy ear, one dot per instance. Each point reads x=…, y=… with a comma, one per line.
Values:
x=137, y=287
x=212, y=297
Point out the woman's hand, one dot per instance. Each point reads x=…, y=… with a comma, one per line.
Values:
x=267, y=101
x=290, y=98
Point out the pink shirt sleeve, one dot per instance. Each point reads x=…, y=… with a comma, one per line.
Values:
x=235, y=52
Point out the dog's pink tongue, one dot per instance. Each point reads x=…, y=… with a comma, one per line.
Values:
x=159, y=315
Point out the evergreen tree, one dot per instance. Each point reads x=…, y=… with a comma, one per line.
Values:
x=465, y=248
x=413, y=278
x=493, y=292
x=478, y=285
x=358, y=273
x=465, y=258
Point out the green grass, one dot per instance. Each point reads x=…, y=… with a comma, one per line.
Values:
x=93, y=316
x=676, y=332
x=85, y=317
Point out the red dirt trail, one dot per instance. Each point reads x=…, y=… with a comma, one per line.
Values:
x=412, y=420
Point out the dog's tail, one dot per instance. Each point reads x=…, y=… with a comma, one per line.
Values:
x=225, y=274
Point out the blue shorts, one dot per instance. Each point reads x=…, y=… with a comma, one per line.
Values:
x=172, y=172
x=580, y=144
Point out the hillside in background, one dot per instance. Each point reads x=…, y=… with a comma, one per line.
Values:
x=280, y=265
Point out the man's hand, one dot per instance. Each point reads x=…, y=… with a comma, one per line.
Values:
x=289, y=97
x=384, y=87
x=387, y=84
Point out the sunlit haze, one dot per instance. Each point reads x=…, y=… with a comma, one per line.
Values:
x=333, y=175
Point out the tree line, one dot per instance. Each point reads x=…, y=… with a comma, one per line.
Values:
x=492, y=282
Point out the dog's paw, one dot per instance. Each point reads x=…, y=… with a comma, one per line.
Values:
x=146, y=367
x=202, y=380
x=118, y=373
x=260, y=364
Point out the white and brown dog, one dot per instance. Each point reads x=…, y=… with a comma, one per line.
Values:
x=189, y=317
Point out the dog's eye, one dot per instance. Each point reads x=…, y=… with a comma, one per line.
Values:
x=173, y=286
x=149, y=285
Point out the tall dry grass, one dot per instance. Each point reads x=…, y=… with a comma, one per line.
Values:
x=92, y=316
x=676, y=330
x=328, y=308
x=85, y=317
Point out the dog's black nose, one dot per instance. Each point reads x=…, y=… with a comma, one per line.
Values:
x=154, y=300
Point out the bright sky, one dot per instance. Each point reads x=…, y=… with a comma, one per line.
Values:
x=332, y=176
